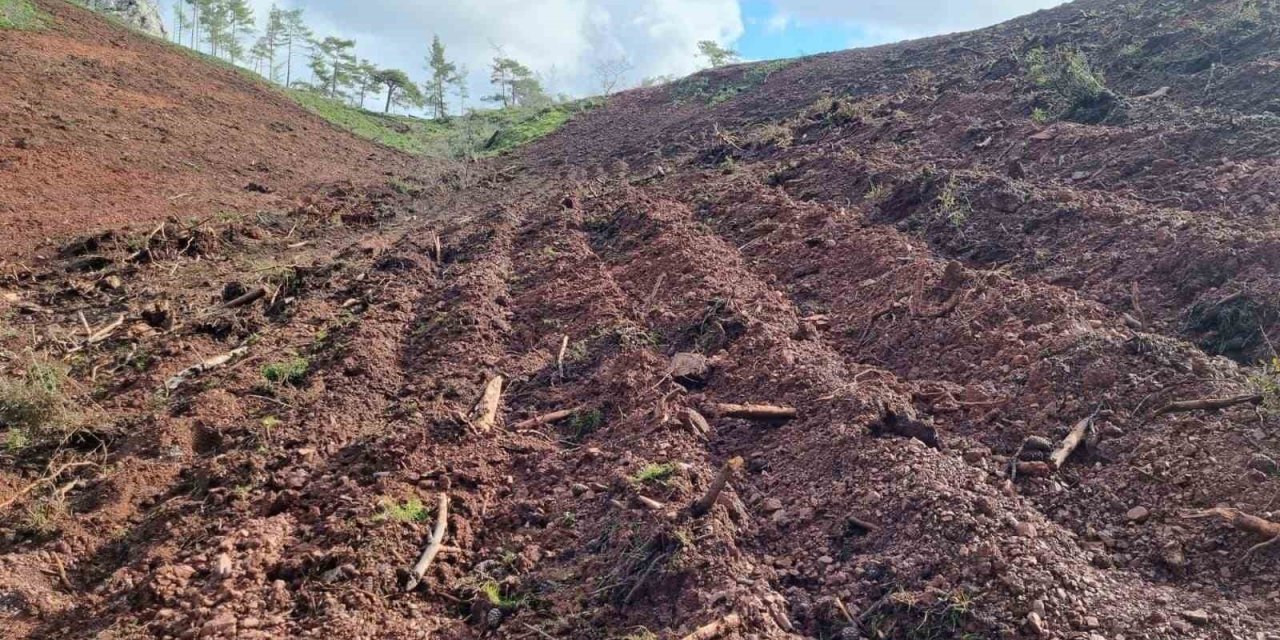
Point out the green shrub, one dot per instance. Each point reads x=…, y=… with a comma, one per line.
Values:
x=292, y=371
x=22, y=15
x=654, y=472
x=1075, y=90
x=35, y=407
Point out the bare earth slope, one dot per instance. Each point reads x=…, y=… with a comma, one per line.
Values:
x=939, y=279
x=101, y=127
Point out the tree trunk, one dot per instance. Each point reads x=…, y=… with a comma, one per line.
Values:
x=390, y=92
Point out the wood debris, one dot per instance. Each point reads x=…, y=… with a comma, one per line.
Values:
x=1208, y=404
x=485, y=413
x=757, y=412
x=715, y=629
x=708, y=500
x=1244, y=522
x=420, y=567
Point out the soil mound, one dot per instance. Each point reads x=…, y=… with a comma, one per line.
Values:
x=102, y=127
x=945, y=339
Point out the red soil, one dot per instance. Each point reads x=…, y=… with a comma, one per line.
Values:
x=101, y=128
x=884, y=272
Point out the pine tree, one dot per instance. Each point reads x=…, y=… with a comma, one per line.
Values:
x=242, y=23
x=216, y=16
x=270, y=42
x=400, y=89
x=338, y=64
x=366, y=80
x=716, y=55
x=516, y=84
x=442, y=75
x=180, y=22
x=294, y=36
x=460, y=89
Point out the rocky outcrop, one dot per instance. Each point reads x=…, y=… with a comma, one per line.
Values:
x=143, y=15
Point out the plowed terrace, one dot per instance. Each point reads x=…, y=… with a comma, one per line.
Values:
x=942, y=267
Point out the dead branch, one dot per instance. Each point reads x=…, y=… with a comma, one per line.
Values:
x=708, y=500
x=758, y=412
x=713, y=630
x=1244, y=522
x=105, y=332
x=212, y=363
x=650, y=503
x=437, y=541
x=485, y=413
x=1208, y=404
x=48, y=477
x=546, y=418
x=696, y=422
x=564, y=344
x=246, y=299
x=1070, y=443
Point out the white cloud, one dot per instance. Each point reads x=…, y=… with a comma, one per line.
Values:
x=560, y=39
x=906, y=18
x=778, y=22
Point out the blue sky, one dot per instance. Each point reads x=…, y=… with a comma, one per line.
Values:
x=767, y=36
x=565, y=41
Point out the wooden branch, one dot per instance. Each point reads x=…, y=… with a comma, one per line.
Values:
x=708, y=500
x=212, y=363
x=246, y=299
x=433, y=547
x=564, y=344
x=546, y=418
x=1070, y=443
x=1208, y=404
x=650, y=503
x=485, y=413
x=1244, y=522
x=696, y=422
x=758, y=412
x=713, y=630
x=105, y=332
x=43, y=479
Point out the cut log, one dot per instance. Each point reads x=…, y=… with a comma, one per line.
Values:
x=757, y=412
x=708, y=500
x=485, y=413
x=419, y=568
x=1070, y=443
x=248, y=298
x=650, y=503
x=713, y=630
x=1244, y=522
x=547, y=418
x=1208, y=404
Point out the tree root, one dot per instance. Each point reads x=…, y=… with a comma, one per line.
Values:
x=1244, y=522
x=547, y=418
x=1208, y=404
x=708, y=500
x=757, y=412
x=433, y=547
x=713, y=630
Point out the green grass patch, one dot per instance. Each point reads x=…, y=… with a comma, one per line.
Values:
x=702, y=88
x=35, y=408
x=654, y=472
x=479, y=133
x=291, y=371
x=411, y=510
x=21, y=15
